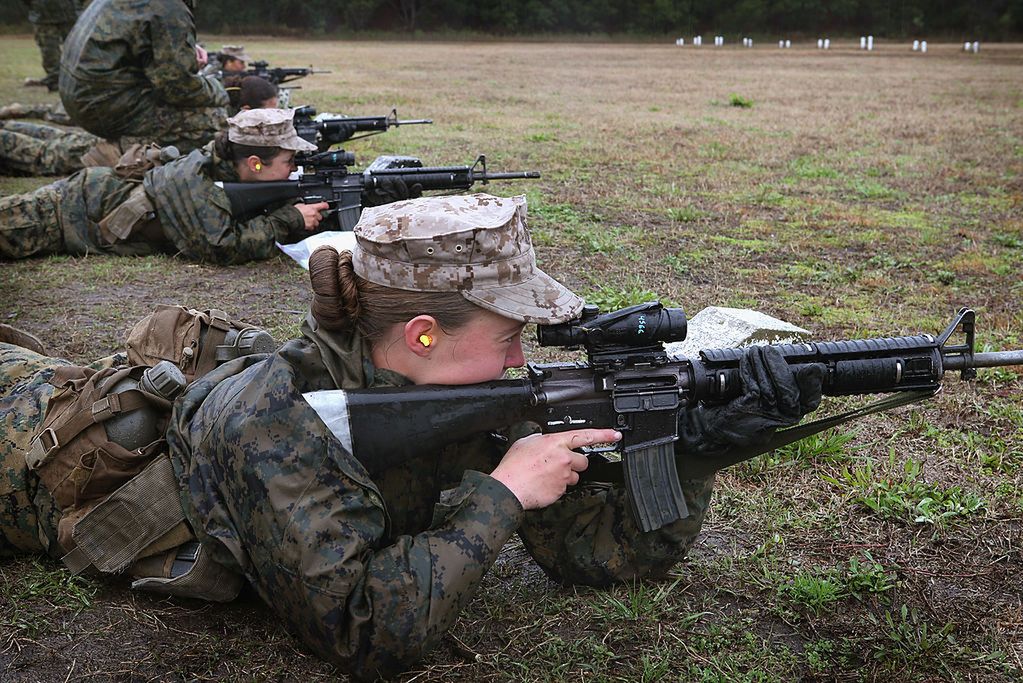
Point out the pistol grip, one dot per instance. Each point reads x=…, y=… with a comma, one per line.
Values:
x=655, y=492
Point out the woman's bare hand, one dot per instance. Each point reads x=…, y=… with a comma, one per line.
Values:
x=539, y=468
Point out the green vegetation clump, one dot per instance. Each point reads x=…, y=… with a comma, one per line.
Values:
x=736, y=100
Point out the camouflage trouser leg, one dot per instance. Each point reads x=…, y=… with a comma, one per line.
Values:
x=40, y=110
x=38, y=149
x=50, y=39
x=29, y=225
x=28, y=517
x=186, y=129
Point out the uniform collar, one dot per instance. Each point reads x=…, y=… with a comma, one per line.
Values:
x=347, y=357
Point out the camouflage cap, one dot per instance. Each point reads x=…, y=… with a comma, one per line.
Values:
x=267, y=128
x=475, y=244
x=234, y=52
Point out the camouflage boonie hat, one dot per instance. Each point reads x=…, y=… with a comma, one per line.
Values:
x=267, y=128
x=234, y=52
x=476, y=244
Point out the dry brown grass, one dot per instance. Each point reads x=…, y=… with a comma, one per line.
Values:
x=861, y=194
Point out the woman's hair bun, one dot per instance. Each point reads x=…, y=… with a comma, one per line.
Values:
x=335, y=288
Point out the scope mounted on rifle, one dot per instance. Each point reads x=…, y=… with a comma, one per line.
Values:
x=338, y=159
x=625, y=335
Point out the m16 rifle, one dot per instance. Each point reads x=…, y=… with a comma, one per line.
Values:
x=326, y=132
x=326, y=178
x=277, y=74
x=632, y=384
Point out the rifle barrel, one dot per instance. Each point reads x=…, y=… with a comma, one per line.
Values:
x=514, y=175
x=991, y=359
x=412, y=122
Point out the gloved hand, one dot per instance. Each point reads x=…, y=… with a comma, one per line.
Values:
x=390, y=189
x=774, y=395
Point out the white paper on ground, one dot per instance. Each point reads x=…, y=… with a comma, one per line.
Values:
x=300, y=251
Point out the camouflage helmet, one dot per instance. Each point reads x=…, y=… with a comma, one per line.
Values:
x=476, y=244
x=267, y=128
x=234, y=52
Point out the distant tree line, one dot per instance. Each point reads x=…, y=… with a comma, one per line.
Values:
x=979, y=19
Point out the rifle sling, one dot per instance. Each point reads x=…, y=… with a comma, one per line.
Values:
x=603, y=470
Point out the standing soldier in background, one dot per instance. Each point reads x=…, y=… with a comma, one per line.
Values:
x=51, y=21
x=37, y=149
x=129, y=74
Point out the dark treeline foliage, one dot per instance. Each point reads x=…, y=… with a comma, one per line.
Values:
x=987, y=19
x=975, y=19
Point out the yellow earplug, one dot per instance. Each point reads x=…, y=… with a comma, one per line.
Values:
x=425, y=339
x=259, y=166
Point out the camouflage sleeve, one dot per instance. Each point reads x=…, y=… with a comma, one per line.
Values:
x=264, y=480
x=202, y=228
x=375, y=609
x=173, y=71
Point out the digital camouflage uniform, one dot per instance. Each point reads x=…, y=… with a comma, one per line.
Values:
x=370, y=573
x=51, y=22
x=54, y=113
x=129, y=73
x=193, y=216
x=36, y=149
x=28, y=516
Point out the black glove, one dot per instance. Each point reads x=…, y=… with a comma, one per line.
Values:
x=390, y=189
x=774, y=395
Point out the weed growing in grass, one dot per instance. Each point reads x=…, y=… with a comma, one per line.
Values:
x=1007, y=240
x=829, y=446
x=57, y=587
x=736, y=100
x=941, y=276
x=905, y=640
x=655, y=668
x=867, y=576
x=641, y=600
x=811, y=591
x=823, y=655
x=906, y=498
x=714, y=150
x=815, y=590
x=808, y=167
x=872, y=189
x=685, y=214
x=732, y=652
x=629, y=293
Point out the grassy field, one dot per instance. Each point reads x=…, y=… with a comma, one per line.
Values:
x=854, y=194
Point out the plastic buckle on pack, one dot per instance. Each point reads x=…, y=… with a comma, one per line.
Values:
x=106, y=407
x=219, y=320
x=40, y=451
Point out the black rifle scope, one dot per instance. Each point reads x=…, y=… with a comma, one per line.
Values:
x=333, y=159
x=636, y=326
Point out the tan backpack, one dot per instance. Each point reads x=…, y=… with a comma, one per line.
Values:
x=102, y=455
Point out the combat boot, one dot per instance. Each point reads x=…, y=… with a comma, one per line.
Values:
x=35, y=83
x=12, y=335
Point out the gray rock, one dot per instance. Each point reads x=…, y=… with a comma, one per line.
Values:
x=716, y=327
